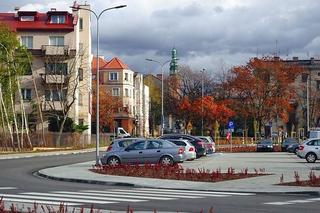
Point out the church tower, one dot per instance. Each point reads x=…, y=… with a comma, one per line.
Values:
x=173, y=63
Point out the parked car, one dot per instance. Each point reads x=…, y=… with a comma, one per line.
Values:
x=189, y=149
x=145, y=151
x=287, y=142
x=209, y=143
x=121, y=143
x=310, y=150
x=265, y=145
x=293, y=148
x=195, y=141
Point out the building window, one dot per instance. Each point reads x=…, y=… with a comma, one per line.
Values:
x=27, y=41
x=318, y=85
x=113, y=76
x=55, y=95
x=115, y=92
x=81, y=23
x=304, y=77
x=80, y=99
x=318, y=73
x=56, y=40
x=126, y=92
x=26, y=94
x=126, y=76
x=80, y=74
x=57, y=19
x=26, y=18
x=56, y=68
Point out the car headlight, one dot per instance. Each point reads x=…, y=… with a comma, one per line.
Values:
x=270, y=146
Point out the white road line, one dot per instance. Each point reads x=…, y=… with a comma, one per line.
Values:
x=6, y=188
x=39, y=202
x=197, y=191
x=300, y=201
x=314, y=199
x=37, y=198
x=70, y=195
x=146, y=194
x=114, y=195
x=279, y=203
x=173, y=193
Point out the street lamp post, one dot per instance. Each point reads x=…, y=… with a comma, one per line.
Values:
x=97, y=74
x=202, y=94
x=161, y=67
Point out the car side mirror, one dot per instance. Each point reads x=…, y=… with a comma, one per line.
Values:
x=127, y=149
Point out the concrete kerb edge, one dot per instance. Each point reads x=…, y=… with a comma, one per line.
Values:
x=74, y=180
x=41, y=175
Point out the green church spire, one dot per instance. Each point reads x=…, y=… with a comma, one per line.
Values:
x=173, y=63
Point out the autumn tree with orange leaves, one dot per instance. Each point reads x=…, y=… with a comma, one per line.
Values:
x=108, y=107
x=184, y=100
x=262, y=89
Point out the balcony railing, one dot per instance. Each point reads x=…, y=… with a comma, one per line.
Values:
x=52, y=105
x=52, y=50
x=53, y=79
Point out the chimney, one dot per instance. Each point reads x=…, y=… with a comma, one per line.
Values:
x=159, y=76
x=295, y=58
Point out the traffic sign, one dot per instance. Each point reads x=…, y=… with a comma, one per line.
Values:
x=230, y=125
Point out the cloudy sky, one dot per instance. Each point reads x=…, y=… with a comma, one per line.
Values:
x=211, y=34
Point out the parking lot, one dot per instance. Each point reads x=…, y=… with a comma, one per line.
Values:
x=276, y=163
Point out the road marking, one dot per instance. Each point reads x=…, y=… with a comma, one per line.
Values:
x=72, y=195
x=132, y=192
x=7, y=188
x=314, y=199
x=197, y=191
x=39, y=202
x=279, y=203
x=173, y=194
x=114, y=195
x=37, y=198
x=300, y=201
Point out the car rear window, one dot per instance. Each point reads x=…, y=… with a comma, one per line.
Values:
x=179, y=143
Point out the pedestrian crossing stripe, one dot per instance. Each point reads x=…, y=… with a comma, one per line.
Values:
x=84, y=197
x=38, y=202
x=173, y=194
x=64, y=200
x=197, y=191
x=7, y=188
x=291, y=202
x=111, y=194
x=133, y=192
x=88, y=198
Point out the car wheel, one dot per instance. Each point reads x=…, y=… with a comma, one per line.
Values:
x=166, y=161
x=295, y=151
x=311, y=157
x=113, y=161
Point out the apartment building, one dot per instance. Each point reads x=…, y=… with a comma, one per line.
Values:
x=117, y=78
x=60, y=81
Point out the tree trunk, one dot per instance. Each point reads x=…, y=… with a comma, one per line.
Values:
x=7, y=118
x=14, y=115
x=60, y=130
x=24, y=117
x=38, y=104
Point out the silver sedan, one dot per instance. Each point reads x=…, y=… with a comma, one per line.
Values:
x=145, y=151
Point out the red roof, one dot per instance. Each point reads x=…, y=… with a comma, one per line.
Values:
x=115, y=63
x=41, y=21
x=102, y=63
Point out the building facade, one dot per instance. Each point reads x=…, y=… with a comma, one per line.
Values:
x=120, y=81
x=60, y=77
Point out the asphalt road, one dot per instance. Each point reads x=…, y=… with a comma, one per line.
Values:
x=17, y=182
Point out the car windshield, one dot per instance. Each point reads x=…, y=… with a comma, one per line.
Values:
x=265, y=142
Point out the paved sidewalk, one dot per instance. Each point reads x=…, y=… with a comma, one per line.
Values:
x=45, y=153
x=264, y=184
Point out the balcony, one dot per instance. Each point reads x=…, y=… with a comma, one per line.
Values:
x=52, y=106
x=53, y=79
x=52, y=50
